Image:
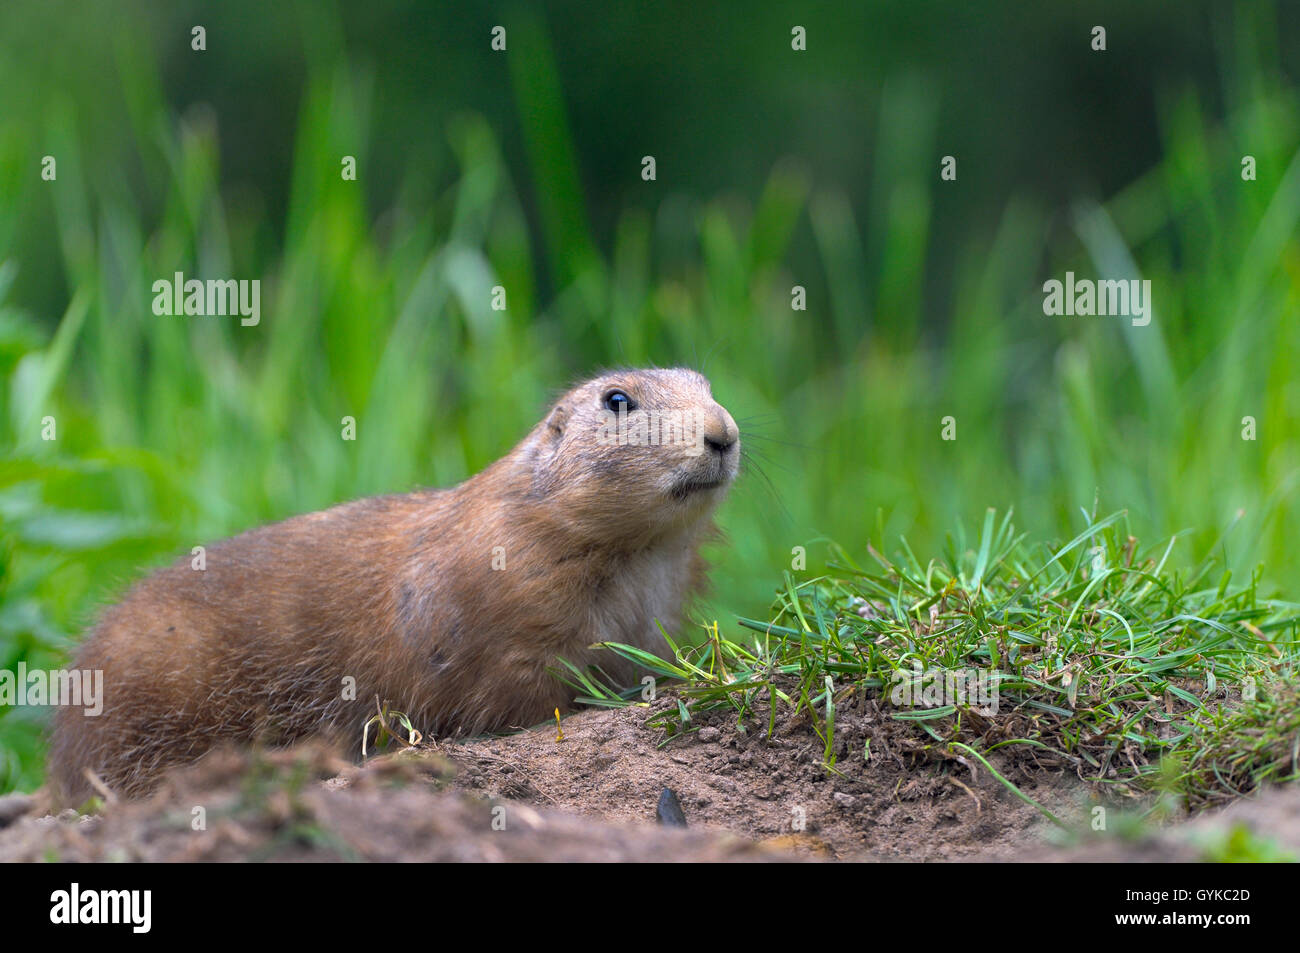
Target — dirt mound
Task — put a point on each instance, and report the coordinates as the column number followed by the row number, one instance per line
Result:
column 898, row 803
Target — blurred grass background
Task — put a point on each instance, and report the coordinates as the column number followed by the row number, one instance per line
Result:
column 775, row 168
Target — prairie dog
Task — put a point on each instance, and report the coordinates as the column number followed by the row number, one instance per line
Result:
column 448, row 605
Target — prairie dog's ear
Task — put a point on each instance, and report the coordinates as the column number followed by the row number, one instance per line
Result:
column 547, row 447
column 556, row 421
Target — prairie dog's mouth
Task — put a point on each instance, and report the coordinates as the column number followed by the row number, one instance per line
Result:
column 686, row 487
column 691, row 484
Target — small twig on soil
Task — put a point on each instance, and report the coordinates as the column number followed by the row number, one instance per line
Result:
column 979, row 808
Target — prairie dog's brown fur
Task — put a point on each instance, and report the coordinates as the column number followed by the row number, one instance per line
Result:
column 599, row 541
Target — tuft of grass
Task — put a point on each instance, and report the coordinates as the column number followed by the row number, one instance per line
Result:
column 1098, row 654
column 385, row 722
column 1240, row 749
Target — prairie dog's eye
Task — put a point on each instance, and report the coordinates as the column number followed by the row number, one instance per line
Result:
column 616, row 400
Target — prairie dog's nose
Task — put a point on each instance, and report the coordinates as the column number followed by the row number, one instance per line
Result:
column 720, row 431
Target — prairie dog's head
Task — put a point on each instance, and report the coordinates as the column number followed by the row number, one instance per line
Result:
column 641, row 450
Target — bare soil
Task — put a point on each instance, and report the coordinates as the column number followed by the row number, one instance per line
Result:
column 900, row 803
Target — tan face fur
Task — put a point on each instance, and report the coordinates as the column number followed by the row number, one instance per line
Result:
column 661, row 462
